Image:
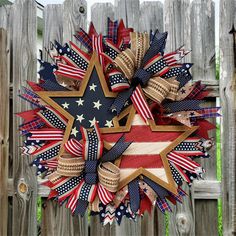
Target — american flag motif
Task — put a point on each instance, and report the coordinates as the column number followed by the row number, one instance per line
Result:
column 104, row 195
column 46, row 134
column 133, row 157
column 70, row 71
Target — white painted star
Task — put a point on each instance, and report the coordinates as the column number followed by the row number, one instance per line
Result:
column 109, row 123
column 92, row 87
column 65, row 105
column 97, row 104
column 74, row 131
column 80, row 102
column 63, row 84
column 92, row 122
column 80, row 118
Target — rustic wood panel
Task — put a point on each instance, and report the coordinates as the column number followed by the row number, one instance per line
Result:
column 5, row 16
column 151, row 16
column 99, row 14
column 53, row 26
column 74, row 17
column 177, row 23
column 227, row 94
column 54, row 29
column 203, row 57
column 128, row 10
column 4, row 129
column 23, row 68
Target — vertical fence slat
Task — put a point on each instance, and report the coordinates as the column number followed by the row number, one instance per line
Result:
column 23, row 68
column 128, row 10
column 99, row 14
column 59, row 220
column 151, row 16
column 203, row 57
column 53, row 26
column 74, row 17
column 227, row 94
column 177, row 23
column 4, row 130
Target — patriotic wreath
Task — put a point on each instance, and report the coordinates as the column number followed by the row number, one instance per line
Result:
column 116, row 128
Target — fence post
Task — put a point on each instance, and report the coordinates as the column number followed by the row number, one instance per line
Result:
column 4, row 130
column 23, row 68
column 227, row 93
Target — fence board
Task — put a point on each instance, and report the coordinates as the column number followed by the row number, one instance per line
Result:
column 4, row 129
column 53, row 26
column 24, row 68
column 128, row 10
column 54, row 29
column 151, row 16
column 99, row 14
column 227, row 94
column 74, row 17
column 203, row 57
column 177, row 23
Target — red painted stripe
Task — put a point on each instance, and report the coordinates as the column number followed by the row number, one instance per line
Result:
column 143, row 134
column 145, row 161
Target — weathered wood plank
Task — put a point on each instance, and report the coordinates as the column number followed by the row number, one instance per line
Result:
column 128, row 10
column 151, row 16
column 5, row 16
column 23, row 68
column 227, row 93
column 177, row 23
column 99, row 14
column 203, row 57
column 4, row 129
column 53, row 26
column 74, row 17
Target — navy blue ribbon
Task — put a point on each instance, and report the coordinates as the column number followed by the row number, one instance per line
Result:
column 134, row 195
column 142, row 75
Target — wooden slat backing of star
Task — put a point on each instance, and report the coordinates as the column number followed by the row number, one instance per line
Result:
column 146, row 156
column 86, row 106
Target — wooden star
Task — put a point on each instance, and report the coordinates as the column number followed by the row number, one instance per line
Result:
column 138, row 150
column 49, row 98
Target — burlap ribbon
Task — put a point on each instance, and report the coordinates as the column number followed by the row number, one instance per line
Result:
column 108, row 173
column 142, row 65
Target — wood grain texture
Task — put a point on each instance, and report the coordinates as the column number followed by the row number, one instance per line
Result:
column 203, row 40
column 60, row 23
column 23, row 68
column 74, row 17
column 227, row 94
column 151, row 16
column 53, row 27
column 177, row 23
column 4, row 129
column 99, row 14
column 5, row 17
column 58, row 220
column 177, row 20
column 203, row 57
column 128, row 10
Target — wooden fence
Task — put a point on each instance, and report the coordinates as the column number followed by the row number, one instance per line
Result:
column 191, row 23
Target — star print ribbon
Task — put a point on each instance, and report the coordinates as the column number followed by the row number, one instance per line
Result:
column 100, row 175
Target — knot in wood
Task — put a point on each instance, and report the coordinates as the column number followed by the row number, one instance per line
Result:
column 23, row 188
column 183, row 223
column 82, row 9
